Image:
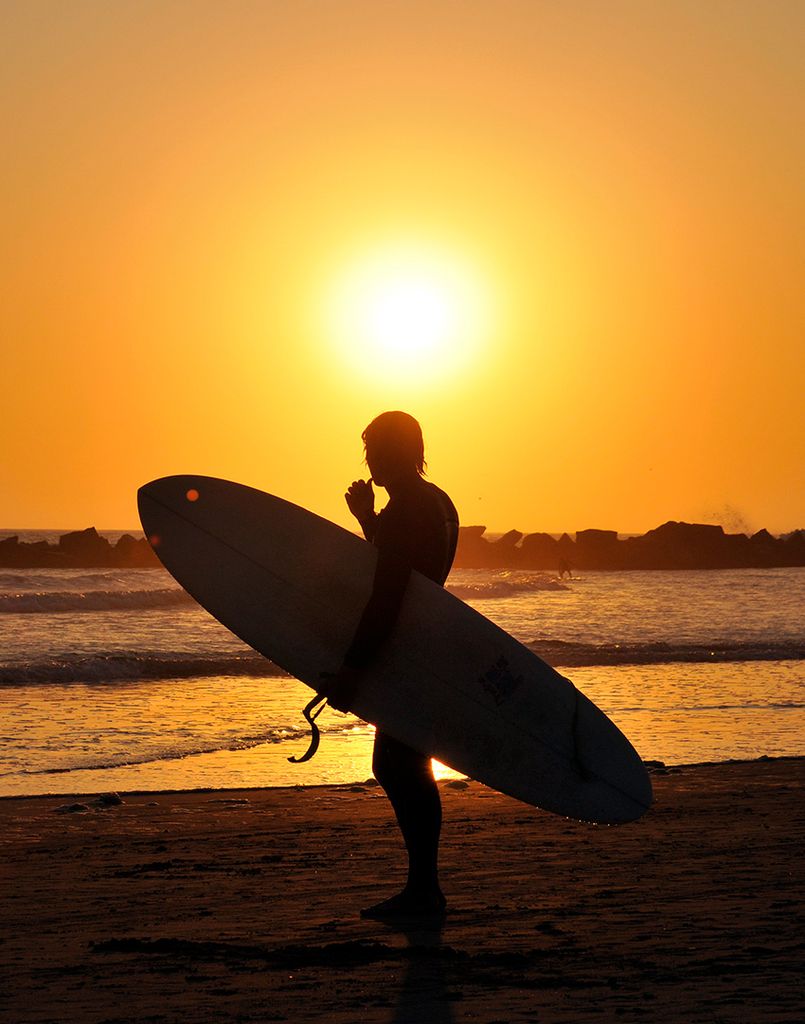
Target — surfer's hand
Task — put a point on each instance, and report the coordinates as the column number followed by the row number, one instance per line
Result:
column 341, row 688
column 360, row 499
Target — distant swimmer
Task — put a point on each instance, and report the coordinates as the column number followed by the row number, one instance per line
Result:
column 417, row 529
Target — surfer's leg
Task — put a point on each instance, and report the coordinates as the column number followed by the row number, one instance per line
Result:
column 407, row 778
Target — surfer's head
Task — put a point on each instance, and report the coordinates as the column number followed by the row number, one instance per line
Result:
column 394, row 447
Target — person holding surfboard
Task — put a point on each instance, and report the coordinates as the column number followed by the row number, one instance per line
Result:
column 417, row 529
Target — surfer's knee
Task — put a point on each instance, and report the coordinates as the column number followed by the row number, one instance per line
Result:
column 398, row 768
column 383, row 763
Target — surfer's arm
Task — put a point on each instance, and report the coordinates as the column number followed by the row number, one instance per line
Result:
column 369, row 526
column 380, row 614
column 376, row 623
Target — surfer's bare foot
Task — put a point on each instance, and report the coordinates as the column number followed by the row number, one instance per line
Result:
column 408, row 904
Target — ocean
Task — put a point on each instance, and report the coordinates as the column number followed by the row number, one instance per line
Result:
column 115, row 679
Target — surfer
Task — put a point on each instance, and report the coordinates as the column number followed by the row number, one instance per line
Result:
column 417, row 529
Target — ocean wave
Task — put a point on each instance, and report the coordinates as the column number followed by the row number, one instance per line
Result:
column 504, row 587
column 111, row 668
column 61, row 579
column 130, row 667
column 54, row 602
column 276, row 734
column 94, row 601
column 568, row 654
column 271, row 736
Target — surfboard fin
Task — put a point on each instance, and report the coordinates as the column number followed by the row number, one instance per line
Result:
column 311, row 713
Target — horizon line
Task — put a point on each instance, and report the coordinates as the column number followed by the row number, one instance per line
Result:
column 747, row 531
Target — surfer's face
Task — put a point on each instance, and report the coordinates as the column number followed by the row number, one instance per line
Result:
column 378, row 465
column 385, row 465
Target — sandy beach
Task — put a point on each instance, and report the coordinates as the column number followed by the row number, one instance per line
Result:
column 242, row 906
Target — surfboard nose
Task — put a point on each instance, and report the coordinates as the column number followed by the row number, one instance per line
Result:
column 173, row 493
column 177, row 494
column 148, row 507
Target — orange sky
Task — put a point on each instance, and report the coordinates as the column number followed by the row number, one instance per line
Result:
column 186, row 184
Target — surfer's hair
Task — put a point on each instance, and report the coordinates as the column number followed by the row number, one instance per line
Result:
column 400, row 435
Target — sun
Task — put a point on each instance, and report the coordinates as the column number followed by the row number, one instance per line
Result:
column 404, row 312
column 408, row 314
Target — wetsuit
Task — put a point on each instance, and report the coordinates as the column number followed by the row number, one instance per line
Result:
column 418, row 529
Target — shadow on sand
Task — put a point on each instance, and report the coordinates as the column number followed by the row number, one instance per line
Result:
column 425, row 995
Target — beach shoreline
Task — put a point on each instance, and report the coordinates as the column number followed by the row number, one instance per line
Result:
column 241, row 905
column 653, row 767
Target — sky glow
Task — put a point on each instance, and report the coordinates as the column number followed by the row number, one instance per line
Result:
column 568, row 238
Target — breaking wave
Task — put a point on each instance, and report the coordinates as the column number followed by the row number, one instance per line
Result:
column 276, row 734
column 94, row 601
column 110, row 668
column 504, row 587
column 52, row 602
column 247, row 742
column 560, row 652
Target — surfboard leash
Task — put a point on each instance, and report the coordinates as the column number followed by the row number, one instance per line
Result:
column 311, row 713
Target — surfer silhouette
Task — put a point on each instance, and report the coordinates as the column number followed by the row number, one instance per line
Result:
column 417, row 529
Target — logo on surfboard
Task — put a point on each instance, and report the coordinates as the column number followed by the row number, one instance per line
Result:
column 499, row 681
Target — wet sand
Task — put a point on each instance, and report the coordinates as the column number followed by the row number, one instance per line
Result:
column 241, row 906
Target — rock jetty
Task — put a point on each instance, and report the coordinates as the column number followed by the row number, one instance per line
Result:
column 670, row 546
column 80, row 549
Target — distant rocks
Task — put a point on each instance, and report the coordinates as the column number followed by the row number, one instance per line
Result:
column 80, row 549
column 670, row 546
column 86, row 546
column 595, row 549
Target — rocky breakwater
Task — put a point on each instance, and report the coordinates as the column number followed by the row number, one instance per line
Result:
column 80, row 549
column 670, row 546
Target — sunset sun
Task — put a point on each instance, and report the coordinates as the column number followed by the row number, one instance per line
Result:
column 408, row 315
column 407, row 312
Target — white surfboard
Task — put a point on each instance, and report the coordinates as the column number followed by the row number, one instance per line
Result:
column 448, row 682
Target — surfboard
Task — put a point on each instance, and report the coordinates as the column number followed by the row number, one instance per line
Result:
column 448, row 682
